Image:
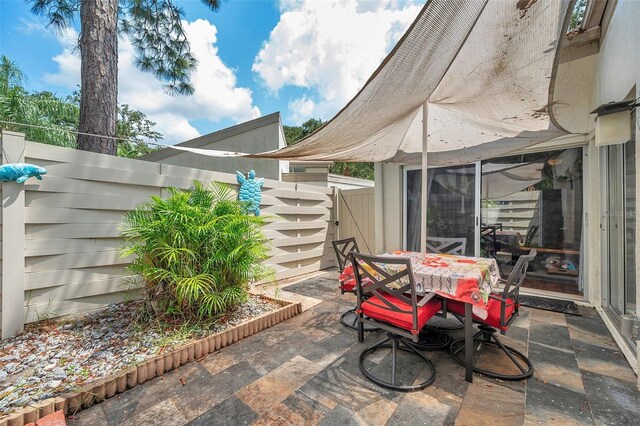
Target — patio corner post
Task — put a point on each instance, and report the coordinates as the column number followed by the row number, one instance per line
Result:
column 13, row 240
column 378, row 200
column 424, row 178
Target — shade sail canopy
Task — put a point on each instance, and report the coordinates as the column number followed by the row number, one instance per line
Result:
column 485, row 67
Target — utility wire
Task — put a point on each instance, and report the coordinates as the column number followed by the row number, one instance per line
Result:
column 60, row 129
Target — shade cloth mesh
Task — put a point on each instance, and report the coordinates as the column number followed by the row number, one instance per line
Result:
column 484, row 66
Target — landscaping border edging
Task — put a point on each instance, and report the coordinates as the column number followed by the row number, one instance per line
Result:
column 107, row 387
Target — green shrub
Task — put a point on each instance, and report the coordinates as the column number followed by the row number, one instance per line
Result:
column 196, row 251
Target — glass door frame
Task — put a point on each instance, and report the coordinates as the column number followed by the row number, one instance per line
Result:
column 478, row 186
column 584, row 282
column 615, row 312
column 605, row 228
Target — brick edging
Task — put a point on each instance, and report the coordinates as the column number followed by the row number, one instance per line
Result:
column 107, row 387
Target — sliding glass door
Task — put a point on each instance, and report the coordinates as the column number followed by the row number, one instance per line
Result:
column 619, row 229
column 630, row 223
column 505, row 207
column 451, row 209
column 536, row 201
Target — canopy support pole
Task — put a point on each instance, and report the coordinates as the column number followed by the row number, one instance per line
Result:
column 423, row 178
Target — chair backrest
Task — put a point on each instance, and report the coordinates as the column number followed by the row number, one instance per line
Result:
column 531, row 233
column 386, row 276
column 514, row 282
column 447, row 245
column 342, row 249
column 517, row 275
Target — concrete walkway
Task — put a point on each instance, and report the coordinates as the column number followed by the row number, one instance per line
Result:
column 305, row 371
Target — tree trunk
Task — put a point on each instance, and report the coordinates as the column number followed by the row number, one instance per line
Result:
column 99, row 75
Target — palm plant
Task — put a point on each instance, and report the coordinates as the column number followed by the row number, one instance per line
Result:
column 196, row 251
column 43, row 109
column 48, row 118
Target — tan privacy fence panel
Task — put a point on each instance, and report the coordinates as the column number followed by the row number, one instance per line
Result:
column 64, row 239
column 516, row 212
column 356, row 217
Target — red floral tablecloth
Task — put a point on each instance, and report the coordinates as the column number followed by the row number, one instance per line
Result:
column 462, row 278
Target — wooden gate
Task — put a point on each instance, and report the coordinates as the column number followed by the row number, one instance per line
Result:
column 356, row 217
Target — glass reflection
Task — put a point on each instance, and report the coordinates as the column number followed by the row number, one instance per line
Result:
column 535, row 201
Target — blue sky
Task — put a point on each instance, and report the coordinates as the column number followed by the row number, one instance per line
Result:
column 304, row 58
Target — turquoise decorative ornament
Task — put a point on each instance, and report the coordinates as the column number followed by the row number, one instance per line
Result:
column 250, row 191
column 20, row 172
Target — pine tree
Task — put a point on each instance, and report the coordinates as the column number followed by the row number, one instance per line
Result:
column 155, row 30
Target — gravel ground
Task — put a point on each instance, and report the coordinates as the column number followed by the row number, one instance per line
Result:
column 53, row 357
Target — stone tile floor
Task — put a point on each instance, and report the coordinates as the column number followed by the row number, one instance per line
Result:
column 305, row 371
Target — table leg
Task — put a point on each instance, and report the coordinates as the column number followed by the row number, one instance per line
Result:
column 468, row 342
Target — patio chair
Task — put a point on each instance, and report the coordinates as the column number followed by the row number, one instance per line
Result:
column 502, row 311
column 531, row 234
column 390, row 302
column 447, row 245
column 347, row 280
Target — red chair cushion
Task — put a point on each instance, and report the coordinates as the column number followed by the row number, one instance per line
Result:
column 348, row 280
column 493, row 312
column 377, row 309
column 350, row 284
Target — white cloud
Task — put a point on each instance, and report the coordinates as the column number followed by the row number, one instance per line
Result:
column 217, row 96
column 330, row 48
column 32, row 25
column 301, row 110
column 174, row 127
column 68, row 73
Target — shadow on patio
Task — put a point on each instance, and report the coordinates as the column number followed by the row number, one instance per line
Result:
column 305, row 371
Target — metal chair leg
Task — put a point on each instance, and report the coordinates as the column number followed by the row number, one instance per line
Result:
column 432, row 339
column 458, row 325
column 487, row 336
column 443, row 315
column 350, row 320
column 397, row 344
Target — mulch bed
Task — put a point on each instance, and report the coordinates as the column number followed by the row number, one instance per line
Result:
column 52, row 358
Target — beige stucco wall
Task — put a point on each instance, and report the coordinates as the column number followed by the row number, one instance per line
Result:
column 619, row 59
column 388, row 191
column 618, row 78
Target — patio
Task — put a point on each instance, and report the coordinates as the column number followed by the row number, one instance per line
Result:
column 305, row 371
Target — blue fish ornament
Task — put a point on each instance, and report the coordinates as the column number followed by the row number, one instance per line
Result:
column 20, row 172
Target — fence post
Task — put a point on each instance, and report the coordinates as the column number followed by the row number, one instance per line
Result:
column 13, row 234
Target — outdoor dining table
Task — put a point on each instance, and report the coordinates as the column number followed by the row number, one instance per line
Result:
column 462, row 278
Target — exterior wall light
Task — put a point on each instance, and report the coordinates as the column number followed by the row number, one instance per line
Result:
column 613, row 122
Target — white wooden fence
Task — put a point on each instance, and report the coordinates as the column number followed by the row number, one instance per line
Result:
column 356, row 217
column 61, row 243
column 519, row 211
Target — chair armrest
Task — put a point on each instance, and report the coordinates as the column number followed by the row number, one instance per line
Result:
column 427, row 297
column 496, row 297
column 501, row 299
